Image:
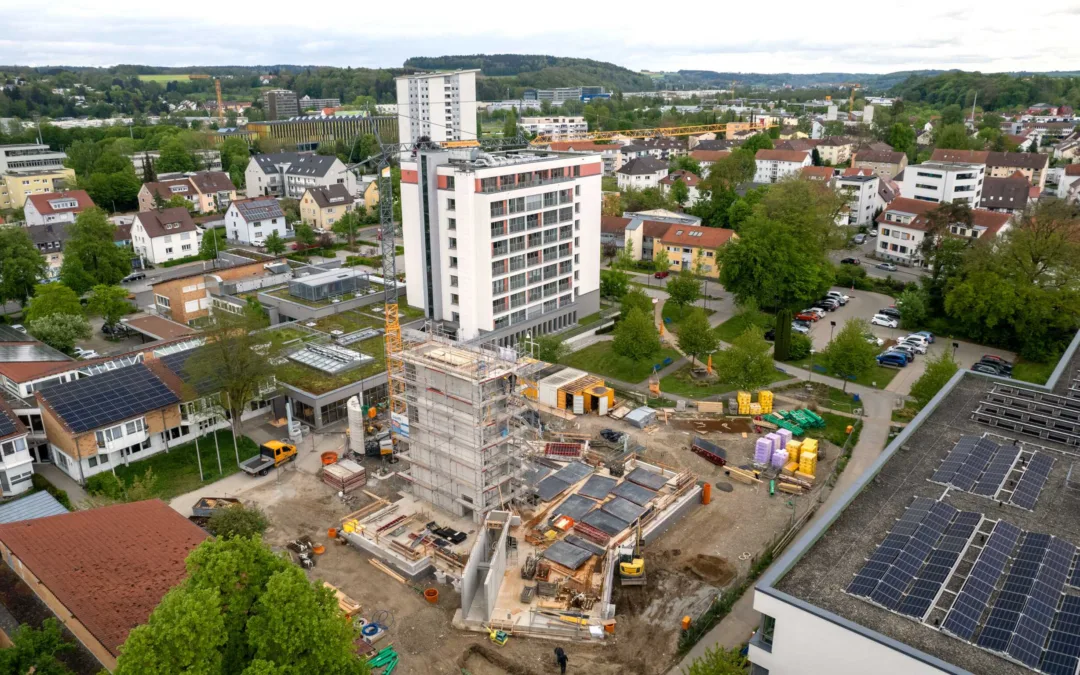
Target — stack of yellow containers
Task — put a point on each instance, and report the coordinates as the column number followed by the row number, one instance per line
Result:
column 794, row 448
column 755, row 409
column 765, row 399
column 743, row 398
column 808, row 456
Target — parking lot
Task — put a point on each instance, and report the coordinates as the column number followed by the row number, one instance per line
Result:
column 863, row 305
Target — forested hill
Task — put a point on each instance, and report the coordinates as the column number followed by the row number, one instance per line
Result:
column 996, row 91
column 687, row 79
column 520, row 71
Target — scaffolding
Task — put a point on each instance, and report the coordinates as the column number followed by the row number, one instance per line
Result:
column 459, row 433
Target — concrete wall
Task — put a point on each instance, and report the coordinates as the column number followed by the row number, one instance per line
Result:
column 484, row 575
column 287, row 310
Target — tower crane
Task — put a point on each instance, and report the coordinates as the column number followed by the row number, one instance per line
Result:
column 613, row 135
column 217, row 90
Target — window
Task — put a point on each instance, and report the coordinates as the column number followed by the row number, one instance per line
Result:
column 168, row 250
column 453, row 298
column 451, row 224
column 451, row 205
column 11, row 447
column 185, row 247
column 135, row 426
column 453, row 243
column 453, row 281
column 453, row 262
column 498, row 286
column 449, row 182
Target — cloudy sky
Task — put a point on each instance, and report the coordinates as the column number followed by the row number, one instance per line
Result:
column 770, row 36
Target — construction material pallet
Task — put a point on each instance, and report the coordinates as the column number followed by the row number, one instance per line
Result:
column 709, row 451
column 777, row 419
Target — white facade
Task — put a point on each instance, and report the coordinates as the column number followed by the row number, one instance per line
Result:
column 35, row 217
column 30, row 157
column 289, row 175
column 556, row 127
column 502, row 241
column 774, row 170
column 166, row 247
column 1065, row 183
column 16, row 468
column 944, row 182
column 899, row 242
column 255, row 232
column 862, row 195
column 640, row 181
column 441, row 106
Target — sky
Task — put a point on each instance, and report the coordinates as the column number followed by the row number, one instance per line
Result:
column 772, row 36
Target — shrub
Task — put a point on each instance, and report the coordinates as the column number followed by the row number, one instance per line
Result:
column 800, row 347
column 239, row 521
column 42, row 483
column 105, row 485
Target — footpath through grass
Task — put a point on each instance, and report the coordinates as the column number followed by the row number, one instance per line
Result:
column 177, row 472
column 599, row 358
column 683, row 383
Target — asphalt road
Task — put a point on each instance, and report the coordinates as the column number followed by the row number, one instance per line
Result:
column 863, row 252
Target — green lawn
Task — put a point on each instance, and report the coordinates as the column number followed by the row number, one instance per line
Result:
column 1029, row 371
column 677, row 313
column 348, row 322
column 737, row 325
column 317, row 382
column 163, row 79
column 600, row 359
column 830, row 397
column 835, row 429
column 905, row 414
column 284, row 294
column 878, row 376
column 177, row 471
column 682, row 383
column 609, row 184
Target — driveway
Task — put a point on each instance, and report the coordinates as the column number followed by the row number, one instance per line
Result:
column 864, row 252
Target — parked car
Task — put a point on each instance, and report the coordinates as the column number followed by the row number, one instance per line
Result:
column 1001, row 364
column 81, row 353
column 926, row 334
column 662, row 274
column 816, row 310
column 134, row 276
column 890, row 312
column 919, row 347
column 895, row 359
column 850, row 261
column 808, row 315
column 915, row 337
column 873, row 232
column 874, row 340
column 19, row 327
column 988, row 369
column 828, row 304
column 859, row 238
column 886, row 321
column 800, row 327
column 838, row 296
column 904, row 349
column 888, row 267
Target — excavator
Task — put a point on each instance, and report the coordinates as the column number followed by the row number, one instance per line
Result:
column 632, row 561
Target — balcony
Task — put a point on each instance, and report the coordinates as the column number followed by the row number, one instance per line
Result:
column 526, row 184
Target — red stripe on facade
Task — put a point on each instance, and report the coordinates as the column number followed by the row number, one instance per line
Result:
column 591, row 169
column 443, row 182
column 409, row 176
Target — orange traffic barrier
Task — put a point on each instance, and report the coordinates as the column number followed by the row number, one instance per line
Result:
column 686, row 622
column 332, row 533
column 432, row 595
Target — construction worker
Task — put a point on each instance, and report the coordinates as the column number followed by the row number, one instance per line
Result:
column 560, row 658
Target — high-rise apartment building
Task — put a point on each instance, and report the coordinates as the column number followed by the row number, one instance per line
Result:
column 503, row 244
column 280, row 104
column 440, row 106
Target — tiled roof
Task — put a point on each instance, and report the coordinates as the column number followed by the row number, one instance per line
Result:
column 613, row 224
column 37, row 505
column 108, row 566
column 709, row 155
column 122, row 233
column 1005, row 193
column 258, row 208
column 781, row 155
column 300, row 164
column 1025, row 160
column 159, row 223
column 158, row 327
column 331, row 195
column 212, row 181
column 715, row 144
column 582, row 146
column 797, row 144
column 857, row 172
column 48, row 234
column 964, row 156
column 643, row 166
column 44, row 202
column 818, row 172
column 690, row 179
column 702, row 237
column 24, row 371
column 990, row 220
column 878, row 157
column 164, row 188
column 1072, row 170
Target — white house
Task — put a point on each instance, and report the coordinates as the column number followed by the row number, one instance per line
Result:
column 682, row 176
column 860, row 187
column 290, row 174
column 641, row 173
column 776, row 165
column 1070, row 175
column 55, row 207
column 162, row 235
column 944, row 182
column 556, row 127
column 903, row 225
column 250, row 221
column 16, row 468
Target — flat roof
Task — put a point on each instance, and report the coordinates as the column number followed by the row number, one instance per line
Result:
column 815, row 573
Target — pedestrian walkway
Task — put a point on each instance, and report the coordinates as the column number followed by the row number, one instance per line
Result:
column 62, row 481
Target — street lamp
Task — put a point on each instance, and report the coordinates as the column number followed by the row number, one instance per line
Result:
column 811, row 365
column 832, row 327
column 955, row 346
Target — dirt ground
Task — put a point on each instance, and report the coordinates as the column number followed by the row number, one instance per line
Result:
column 687, row 567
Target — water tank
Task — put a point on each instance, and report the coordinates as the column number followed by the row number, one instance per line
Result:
column 356, row 424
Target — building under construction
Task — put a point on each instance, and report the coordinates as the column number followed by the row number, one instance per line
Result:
column 459, row 434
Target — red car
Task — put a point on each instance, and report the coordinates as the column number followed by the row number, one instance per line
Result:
column 661, row 275
column 806, row 316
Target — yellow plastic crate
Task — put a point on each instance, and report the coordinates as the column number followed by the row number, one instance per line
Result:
column 810, row 445
column 808, row 462
column 744, row 397
column 744, row 409
column 755, row 408
column 793, row 450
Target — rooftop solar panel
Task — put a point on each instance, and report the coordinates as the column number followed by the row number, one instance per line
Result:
column 1000, row 466
column 969, row 606
column 1031, row 483
column 939, row 566
column 1042, row 602
column 1009, row 605
column 1062, row 653
column 907, row 564
column 879, row 561
column 94, row 402
column 954, row 460
column 975, row 464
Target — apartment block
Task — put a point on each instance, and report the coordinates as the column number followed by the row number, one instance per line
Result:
column 497, row 245
column 30, row 157
column 557, row 128
column 309, row 103
column 776, row 165
column 440, row 106
column 280, row 104
column 944, row 182
column 291, row 174
column 17, row 186
column 860, row 188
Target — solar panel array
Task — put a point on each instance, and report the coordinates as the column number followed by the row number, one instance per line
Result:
column 994, row 475
column 1063, row 648
column 1031, row 483
column 963, row 617
column 95, row 402
column 939, row 565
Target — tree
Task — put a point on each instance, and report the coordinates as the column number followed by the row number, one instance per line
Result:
column 782, row 335
column 686, row 163
column 113, row 182
column 746, row 364
column 815, row 157
column 551, row 348
column 636, row 336
column 850, row 355
column 608, row 251
column 305, row 234
column 757, row 142
column 34, row 650
column 901, row 136
column 21, row 265
column 238, row 521
column 510, row 129
column 213, row 241
column 81, row 157
column 635, row 299
column 626, row 260
column 54, row 298
column 683, row 289
column 275, row 245
column 696, row 336
column 953, row 137
column 952, row 114
column 613, row 284
column 718, row 661
column 660, row 260
column 109, row 302
column 174, row 157
column 234, row 154
column 184, row 634
column 939, row 370
column 914, row 306
column 680, row 193
column 61, row 331
column 177, row 202
column 232, row 360
column 347, row 226
column 91, row 257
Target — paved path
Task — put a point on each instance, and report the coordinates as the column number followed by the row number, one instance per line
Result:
column 62, row 481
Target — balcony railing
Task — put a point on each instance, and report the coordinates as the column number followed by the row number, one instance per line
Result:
column 526, row 184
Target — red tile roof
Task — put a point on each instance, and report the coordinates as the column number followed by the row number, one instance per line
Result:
column 709, row 155
column 690, row 179
column 24, row 371
column 858, row 172
column 613, row 224
column 583, row 146
column 696, row 235
column 782, row 155
column 164, row 188
column 109, row 566
column 991, row 220
column 965, row 156
column 43, row 202
column 1072, row 170
column 818, row 172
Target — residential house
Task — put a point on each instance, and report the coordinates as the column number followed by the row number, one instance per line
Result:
column 860, row 187
column 56, row 207
column 1007, row 195
column 1068, row 148
column 1033, row 165
column 32, row 506
column 642, row 229
column 16, row 468
column 835, row 150
column 367, row 192
column 706, row 158
column 902, row 226
column 155, row 194
column 685, row 177
column 821, row 173
column 662, row 147
column 609, row 152
column 884, row 163
column 289, row 174
column 16, row 186
column 250, row 221
column 717, row 144
column 631, row 151
column 556, row 127
column 641, row 173
column 101, row 571
column 687, row 247
column 321, row 207
column 161, row 235
column 944, row 182
column 215, row 189
column 776, row 165
column 799, row 144
column 50, row 240
column 1069, row 177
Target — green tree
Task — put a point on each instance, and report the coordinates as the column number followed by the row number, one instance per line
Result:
column 757, row 142
column 174, row 158
column 815, row 157
column 849, row 355
column 184, row 634
column 212, row 242
column 772, row 264
column 21, row 265
column 695, row 336
column 291, row 208
column 661, row 262
column 551, row 348
column 939, row 370
column 238, row 521
column 60, row 331
column 626, row 260
column 305, row 234
column 275, row 245
column 782, row 335
column 718, row 661
column 914, row 306
column 347, row 226
column 113, row 182
column 34, row 650
column 952, row 114
column 54, row 298
column 510, row 129
column 686, row 163
column 91, row 257
column 234, row 154
column 746, row 364
column 81, row 157
column 613, row 284
column 177, row 202
column 109, row 302
column 901, row 136
column 680, row 193
column 635, row 299
column 683, row 289
column 636, row 336
column 953, row 137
